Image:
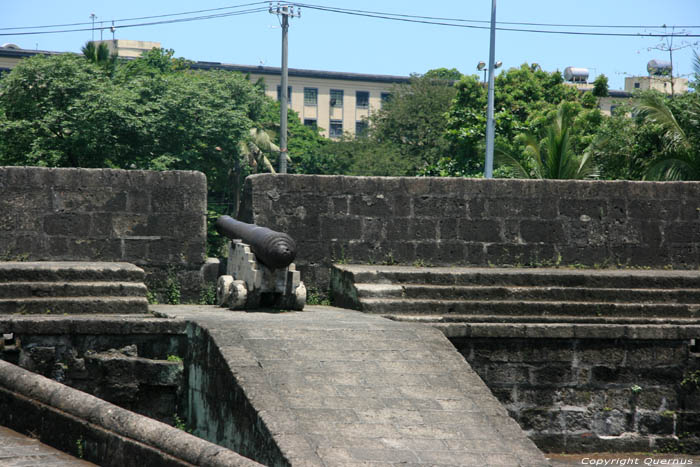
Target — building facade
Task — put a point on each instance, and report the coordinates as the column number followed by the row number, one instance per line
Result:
column 336, row 102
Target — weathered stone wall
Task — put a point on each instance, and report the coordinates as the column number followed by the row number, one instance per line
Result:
column 444, row 221
column 126, row 363
column 156, row 220
column 595, row 394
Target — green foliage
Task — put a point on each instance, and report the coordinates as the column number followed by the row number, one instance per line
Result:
column 100, row 56
column 174, row 358
column 600, row 86
column 447, row 74
column 180, row 423
column 80, row 447
column 151, row 113
column 413, row 122
column 691, row 381
column 679, row 157
column 314, row 297
column 207, row 295
column 172, row 288
column 553, row 156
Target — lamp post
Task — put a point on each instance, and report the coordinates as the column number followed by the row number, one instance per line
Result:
column 488, row 163
column 481, row 66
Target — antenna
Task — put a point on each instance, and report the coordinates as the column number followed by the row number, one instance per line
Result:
column 93, row 17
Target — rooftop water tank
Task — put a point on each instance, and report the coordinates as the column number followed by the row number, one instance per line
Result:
column 659, row 67
column 577, row 75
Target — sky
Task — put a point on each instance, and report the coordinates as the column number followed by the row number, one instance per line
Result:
column 323, row 40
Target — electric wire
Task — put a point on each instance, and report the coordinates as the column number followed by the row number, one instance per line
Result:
column 137, row 18
column 152, row 23
column 430, row 20
column 515, row 23
column 467, row 26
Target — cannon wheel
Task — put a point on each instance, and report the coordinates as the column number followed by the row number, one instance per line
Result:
column 238, row 296
column 224, row 285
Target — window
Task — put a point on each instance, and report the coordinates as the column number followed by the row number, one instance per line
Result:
column 636, row 85
column 336, row 97
column 289, row 94
column 310, row 96
column 361, row 128
column 336, row 128
column 362, row 99
column 310, row 122
column 385, row 96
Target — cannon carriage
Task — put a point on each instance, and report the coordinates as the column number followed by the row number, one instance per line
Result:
column 260, row 271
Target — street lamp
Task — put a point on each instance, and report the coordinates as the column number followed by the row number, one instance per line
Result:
column 482, row 67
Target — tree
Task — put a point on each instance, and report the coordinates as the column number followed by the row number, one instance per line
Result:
column 100, row 55
column 680, row 156
column 64, row 111
column 413, row 121
column 600, row 86
column 552, row 156
column 525, row 98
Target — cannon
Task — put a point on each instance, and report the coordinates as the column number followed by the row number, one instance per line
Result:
column 273, row 249
column 260, row 271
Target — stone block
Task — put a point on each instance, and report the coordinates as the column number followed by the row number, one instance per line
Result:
column 534, row 231
column 479, row 230
column 656, row 424
column 552, row 374
column 683, row 232
column 67, row 223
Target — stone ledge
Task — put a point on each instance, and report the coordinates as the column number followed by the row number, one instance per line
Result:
column 570, row 330
column 135, row 432
column 90, row 324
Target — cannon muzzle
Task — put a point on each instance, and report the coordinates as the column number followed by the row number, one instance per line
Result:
column 273, row 249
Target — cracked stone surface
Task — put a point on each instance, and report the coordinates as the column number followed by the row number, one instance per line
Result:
column 340, row 388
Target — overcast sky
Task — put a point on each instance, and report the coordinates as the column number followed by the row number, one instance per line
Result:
column 325, row 40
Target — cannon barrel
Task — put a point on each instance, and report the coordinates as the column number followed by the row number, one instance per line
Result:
column 273, row 249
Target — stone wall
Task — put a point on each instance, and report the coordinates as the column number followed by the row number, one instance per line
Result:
column 444, row 221
column 156, row 220
column 594, row 394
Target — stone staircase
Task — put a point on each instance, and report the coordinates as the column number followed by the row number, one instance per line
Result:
column 72, row 288
column 520, row 294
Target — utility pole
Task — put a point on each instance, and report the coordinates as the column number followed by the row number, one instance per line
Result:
column 488, row 166
column 285, row 11
column 93, row 16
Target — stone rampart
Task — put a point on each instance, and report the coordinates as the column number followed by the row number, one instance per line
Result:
column 448, row 221
column 591, row 387
column 155, row 220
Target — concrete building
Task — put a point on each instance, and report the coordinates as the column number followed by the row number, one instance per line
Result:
column 658, row 83
column 335, row 102
column 127, row 48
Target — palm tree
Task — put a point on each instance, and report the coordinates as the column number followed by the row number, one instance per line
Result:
column 552, row 157
column 679, row 160
column 255, row 147
column 99, row 54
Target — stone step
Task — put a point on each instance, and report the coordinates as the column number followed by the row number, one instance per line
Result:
column 605, row 278
column 530, row 308
column 63, row 271
column 74, row 305
column 538, row 293
column 71, row 289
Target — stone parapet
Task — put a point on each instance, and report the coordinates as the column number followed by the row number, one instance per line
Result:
column 449, row 221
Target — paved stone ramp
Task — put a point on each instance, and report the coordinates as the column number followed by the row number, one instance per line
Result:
column 489, row 294
column 341, row 388
column 58, row 287
column 18, row 450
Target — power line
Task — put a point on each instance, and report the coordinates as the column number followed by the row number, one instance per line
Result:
column 428, row 20
column 152, row 23
column 137, row 18
column 437, row 18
